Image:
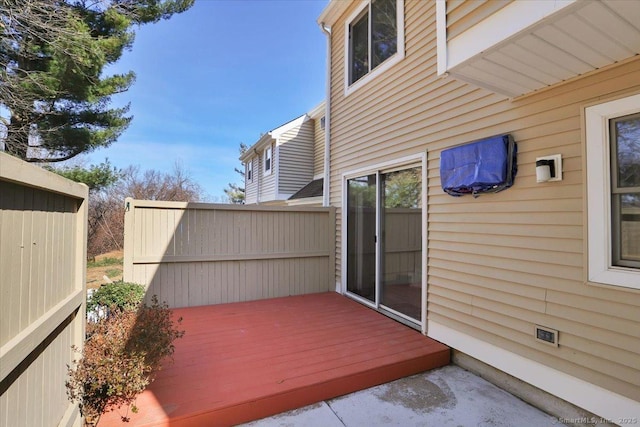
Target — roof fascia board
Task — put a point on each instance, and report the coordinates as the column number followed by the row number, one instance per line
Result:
column 257, row 147
column 277, row 132
column 333, row 11
column 317, row 111
column 273, row 135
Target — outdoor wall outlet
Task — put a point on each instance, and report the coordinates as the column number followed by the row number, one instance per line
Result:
column 546, row 335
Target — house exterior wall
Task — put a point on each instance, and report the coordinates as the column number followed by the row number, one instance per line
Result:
column 262, row 188
column 318, row 147
column 293, row 161
column 43, row 226
column 295, row 155
column 268, row 181
column 462, row 15
column 251, row 187
column 502, row 263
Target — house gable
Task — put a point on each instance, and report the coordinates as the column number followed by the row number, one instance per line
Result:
column 283, row 161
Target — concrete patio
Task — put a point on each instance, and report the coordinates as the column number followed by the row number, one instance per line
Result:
column 448, row 396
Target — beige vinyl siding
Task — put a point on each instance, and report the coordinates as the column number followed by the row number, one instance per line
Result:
column 462, row 14
column 501, row 263
column 295, row 158
column 251, row 187
column 318, row 147
column 42, row 287
column 193, row 254
column 268, row 182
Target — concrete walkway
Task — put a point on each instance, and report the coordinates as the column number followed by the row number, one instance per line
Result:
column 449, row 396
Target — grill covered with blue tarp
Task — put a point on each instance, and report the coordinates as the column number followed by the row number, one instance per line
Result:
column 488, row 165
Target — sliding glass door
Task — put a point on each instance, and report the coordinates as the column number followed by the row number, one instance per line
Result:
column 401, row 243
column 361, row 237
column 384, row 241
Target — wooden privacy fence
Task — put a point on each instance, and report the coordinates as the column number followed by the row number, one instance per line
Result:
column 43, row 229
column 191, row 254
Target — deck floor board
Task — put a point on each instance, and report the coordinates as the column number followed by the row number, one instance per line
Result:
column 244, row 361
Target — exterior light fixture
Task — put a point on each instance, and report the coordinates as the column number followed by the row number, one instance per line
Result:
column 549, row 168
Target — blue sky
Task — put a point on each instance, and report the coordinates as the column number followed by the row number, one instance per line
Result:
column 219, row 74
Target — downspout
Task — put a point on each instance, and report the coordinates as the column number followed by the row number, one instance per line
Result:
column 327, row 121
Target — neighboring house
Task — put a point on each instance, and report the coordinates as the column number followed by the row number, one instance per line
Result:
column 287, row 162
column 495, row 277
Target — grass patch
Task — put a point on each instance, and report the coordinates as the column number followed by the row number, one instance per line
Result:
column 104, row 262
column 113, row 272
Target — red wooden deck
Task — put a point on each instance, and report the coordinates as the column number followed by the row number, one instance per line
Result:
column 244, row 361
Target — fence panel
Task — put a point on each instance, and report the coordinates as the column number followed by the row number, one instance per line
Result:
column 191, row 254
column 43, row 220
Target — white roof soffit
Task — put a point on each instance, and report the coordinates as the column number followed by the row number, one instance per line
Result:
column 530, row 45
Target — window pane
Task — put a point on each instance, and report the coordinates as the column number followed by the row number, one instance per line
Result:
column 627, row 131
column 629, row 220
column 361, row 236
column 267, row 161
column 359, row 48
column 384, row 31
column 401, row 221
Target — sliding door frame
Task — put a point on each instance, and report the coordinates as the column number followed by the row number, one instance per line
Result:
column 416, row 160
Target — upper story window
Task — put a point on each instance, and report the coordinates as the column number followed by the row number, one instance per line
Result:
column 613, row 191
column 374, row 39
column 268, row 160
column 249, row 172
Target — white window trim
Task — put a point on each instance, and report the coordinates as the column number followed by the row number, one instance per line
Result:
column 269, row 150
column 249, row 171
column 388, row 63
column 598, row 156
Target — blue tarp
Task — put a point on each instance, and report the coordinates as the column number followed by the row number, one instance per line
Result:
column 488, row 165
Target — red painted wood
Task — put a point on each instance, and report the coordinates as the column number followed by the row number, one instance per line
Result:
column 244, row 361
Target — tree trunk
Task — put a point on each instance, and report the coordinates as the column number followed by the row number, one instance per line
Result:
column 17, row 140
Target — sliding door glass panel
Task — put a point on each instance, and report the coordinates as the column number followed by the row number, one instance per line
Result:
column 401, row 244
column 361, row 236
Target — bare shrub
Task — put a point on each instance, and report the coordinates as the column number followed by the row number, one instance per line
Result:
column 122, row 353
column 106, row 208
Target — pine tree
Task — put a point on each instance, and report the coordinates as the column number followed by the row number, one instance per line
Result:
column 235, row 193
column 54, row 97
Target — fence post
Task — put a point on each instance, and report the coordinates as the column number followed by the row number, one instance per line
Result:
column 129, row 230
column 82, row 229
column 332, row 247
